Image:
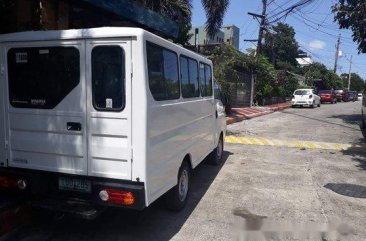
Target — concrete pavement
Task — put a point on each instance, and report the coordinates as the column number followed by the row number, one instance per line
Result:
column 258, row 185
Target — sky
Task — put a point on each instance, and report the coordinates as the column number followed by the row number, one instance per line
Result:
column 315, row 30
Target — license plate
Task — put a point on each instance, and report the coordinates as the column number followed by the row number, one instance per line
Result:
column 73, row 184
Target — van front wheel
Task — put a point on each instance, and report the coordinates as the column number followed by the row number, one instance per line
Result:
column 176, row 198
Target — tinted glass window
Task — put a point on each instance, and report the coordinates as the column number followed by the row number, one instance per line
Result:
column 163, row 73
column 302, row 92
column 205, row 80
column 193, row 78
column 208, row 75
column 202, row 79
column 42, row 77
column 108, row 78
column 325, row 92
column 217, row 91
column 189, row 74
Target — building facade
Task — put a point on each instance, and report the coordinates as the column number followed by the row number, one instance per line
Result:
column 227, row 34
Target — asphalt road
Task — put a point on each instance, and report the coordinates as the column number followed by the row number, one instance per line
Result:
column 258, row 186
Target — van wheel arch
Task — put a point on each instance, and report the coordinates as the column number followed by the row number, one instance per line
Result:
column 176, row 198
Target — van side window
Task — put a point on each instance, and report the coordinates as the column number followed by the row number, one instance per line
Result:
column 41, row 78
column 163, row 73
column 189, row 74
column 205, row 80
column 108, row 78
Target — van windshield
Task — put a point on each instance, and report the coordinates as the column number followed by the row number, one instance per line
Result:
column 42, row 77
column 302, row 92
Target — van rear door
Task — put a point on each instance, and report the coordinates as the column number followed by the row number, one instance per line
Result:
column 46, row 107
column 109, row 108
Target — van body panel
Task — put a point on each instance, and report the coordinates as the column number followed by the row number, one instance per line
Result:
column 175, row 128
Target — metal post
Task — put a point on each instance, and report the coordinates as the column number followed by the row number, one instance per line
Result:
column 337, row 54
column 349, row 74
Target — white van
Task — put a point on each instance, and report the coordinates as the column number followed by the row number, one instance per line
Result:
column 109, row 116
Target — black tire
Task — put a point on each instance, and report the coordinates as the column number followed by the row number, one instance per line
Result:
column 176, row 198
column 216, row 155
column 319, row 104
column 313, row 105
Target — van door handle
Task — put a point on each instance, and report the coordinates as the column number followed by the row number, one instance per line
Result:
column 73, row 126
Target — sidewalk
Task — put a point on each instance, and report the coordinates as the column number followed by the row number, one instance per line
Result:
column 240, row 114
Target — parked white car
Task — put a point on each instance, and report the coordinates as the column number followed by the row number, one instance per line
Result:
column 305, row 97
column 359, row 95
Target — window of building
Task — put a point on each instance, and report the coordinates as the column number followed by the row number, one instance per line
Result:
column 163, row 73
column 189, row 74
column 108, row 78
column 42, row 77
column 205, row 80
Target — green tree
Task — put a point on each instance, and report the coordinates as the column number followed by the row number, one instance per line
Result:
column 181, row 12
column 350, row 14
column 357, row 83
column 320, row 71
column 282, row 48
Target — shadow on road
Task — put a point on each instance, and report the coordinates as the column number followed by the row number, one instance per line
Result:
column 351, row 117
column 154, row 223
column 358, row 153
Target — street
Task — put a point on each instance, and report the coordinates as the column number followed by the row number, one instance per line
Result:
column 260, row 180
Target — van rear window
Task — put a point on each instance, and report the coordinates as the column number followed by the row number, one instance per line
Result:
column 42, row 77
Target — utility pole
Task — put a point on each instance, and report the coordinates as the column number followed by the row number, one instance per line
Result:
column 337, row 54
column 349, row 74
column 262, row 27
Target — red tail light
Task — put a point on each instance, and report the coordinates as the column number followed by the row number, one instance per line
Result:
column 117, row 197
column 310, row 96
column 6, row 182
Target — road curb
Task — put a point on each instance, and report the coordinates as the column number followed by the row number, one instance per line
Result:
column 238, row 117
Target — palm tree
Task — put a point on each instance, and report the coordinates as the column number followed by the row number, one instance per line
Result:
column 215, row 12
column 181, row 12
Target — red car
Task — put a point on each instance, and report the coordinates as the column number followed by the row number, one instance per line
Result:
column 327, row 96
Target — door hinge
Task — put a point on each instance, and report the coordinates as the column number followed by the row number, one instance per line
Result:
column 131, row 70
column 2, row 70
column 6, row 144
column 131, row 155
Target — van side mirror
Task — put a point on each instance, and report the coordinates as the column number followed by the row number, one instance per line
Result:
column 224, row 99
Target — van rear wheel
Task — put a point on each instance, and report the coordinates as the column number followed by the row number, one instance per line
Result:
column 216, row 155
column 176, row 198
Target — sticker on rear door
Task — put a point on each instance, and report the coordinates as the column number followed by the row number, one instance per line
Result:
column 21, row 58
column 108, row 103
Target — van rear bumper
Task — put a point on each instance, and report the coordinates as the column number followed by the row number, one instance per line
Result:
column 43, row 185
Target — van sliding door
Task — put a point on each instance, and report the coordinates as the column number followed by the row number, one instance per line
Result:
column 109, row 108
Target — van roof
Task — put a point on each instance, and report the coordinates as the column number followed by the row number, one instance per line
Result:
column 103, row 32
